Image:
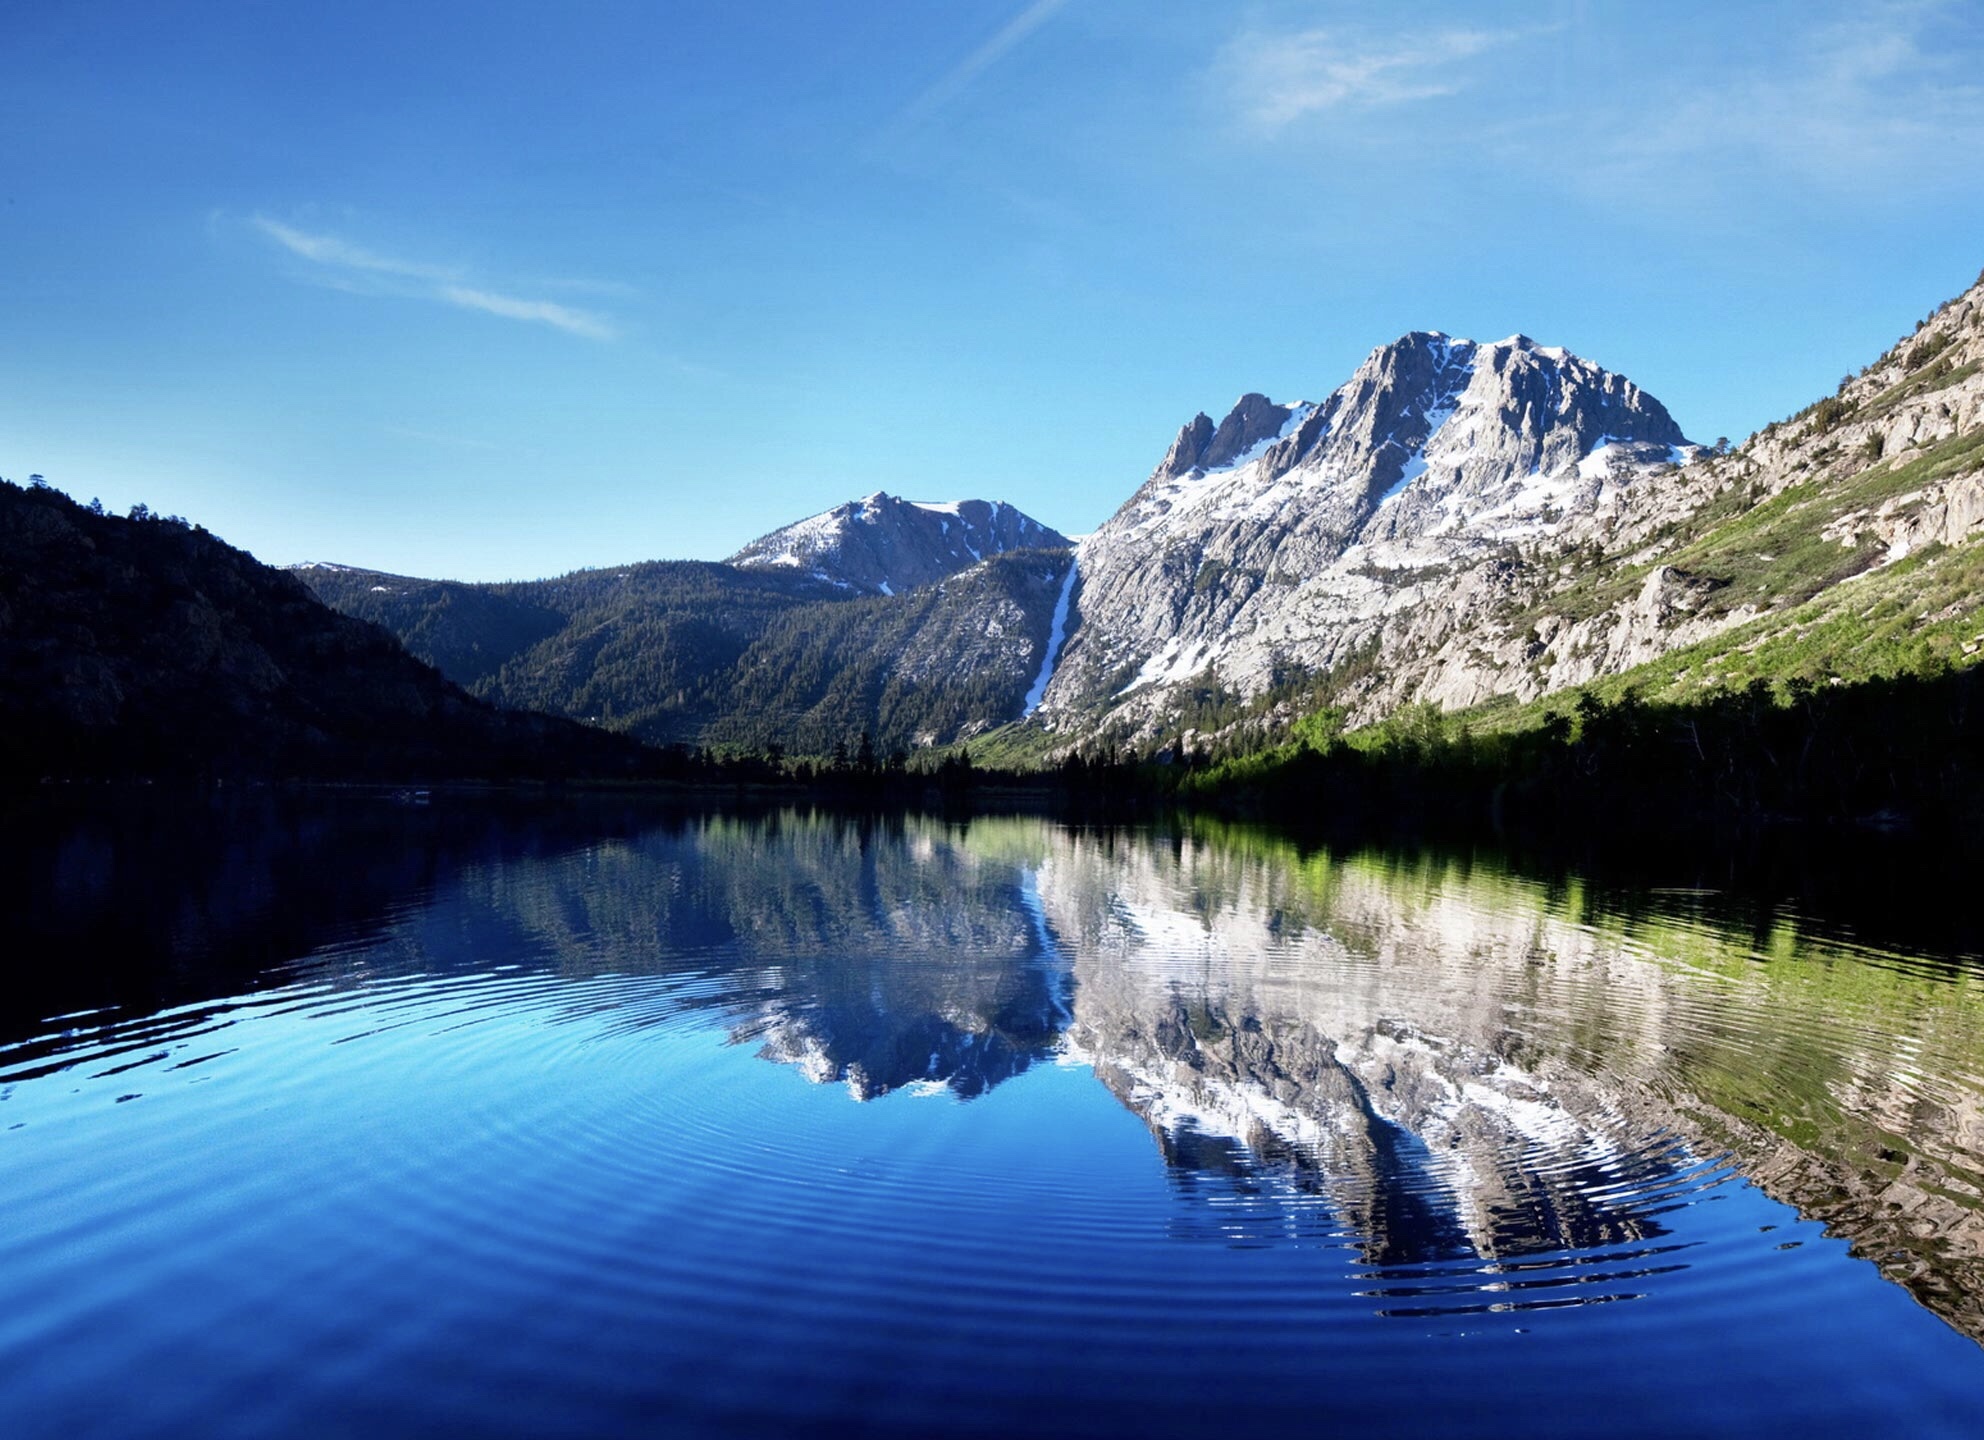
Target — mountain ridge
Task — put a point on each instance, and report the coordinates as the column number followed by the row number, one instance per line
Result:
column 1458, row 523
column 700, row 652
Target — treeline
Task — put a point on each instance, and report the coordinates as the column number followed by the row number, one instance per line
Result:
column 1903, row 753
column 855, row 779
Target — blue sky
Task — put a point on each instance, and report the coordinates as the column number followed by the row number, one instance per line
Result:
column 500, row 290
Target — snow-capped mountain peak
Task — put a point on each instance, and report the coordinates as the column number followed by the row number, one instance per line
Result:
column 1269, row 537
column 885, row 544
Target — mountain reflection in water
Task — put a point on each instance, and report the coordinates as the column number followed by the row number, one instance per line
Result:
column 1470, row 1094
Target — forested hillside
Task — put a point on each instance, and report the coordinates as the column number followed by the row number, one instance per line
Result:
column 921, row 669
column 146, row 646
column 466, row 632
column 706, row 654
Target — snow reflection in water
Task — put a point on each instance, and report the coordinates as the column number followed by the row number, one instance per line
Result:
column 498, row 1148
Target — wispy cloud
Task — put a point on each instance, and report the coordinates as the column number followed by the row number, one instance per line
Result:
column 331, row 250
column 1874, row 98
column 344, row 265
column 1864, row 102
column 1272, row 80
column 543, row 312
column 961, row 76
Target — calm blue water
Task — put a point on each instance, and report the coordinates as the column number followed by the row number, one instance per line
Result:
column 388, row 1124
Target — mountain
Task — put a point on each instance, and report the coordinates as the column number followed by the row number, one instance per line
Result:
column 1486, row 525
column 466, row 632
column 1289, row 539
column 1280, row 543
column 701, row 653
column 1837, row 545
column 146, row 646
column 885, row 545
column 1458, row 524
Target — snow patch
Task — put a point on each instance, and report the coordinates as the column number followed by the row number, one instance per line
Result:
column 1056, row 633
column 1452, row 380
column 1164, row 502
column 1598, row 464
column 1415, row 463
column 1301, row 411
column 1176, row 662
column 798, row 544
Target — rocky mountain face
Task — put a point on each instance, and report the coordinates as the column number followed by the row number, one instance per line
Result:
column 885, row 545
column 1837, row 544
column 1290, row 538
column 1462, row 523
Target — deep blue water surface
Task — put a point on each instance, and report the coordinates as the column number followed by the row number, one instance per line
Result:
column 367, row 1123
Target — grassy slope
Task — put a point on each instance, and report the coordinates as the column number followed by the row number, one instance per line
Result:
column 1831, row 612
column 1772, row 552
column 1828, row 614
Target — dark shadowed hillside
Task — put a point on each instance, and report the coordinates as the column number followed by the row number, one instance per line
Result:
column 147, row 646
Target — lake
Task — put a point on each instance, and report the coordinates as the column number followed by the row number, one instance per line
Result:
column 339, row 1115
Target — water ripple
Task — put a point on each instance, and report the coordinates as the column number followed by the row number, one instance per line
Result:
column 607, row 1141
